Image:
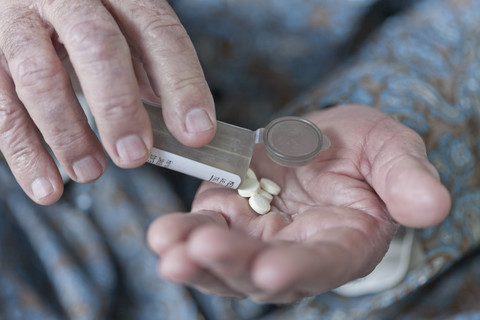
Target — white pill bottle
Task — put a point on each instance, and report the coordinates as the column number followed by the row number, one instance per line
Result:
column 288, row 141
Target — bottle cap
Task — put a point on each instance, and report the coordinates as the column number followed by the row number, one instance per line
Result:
column 293, row 141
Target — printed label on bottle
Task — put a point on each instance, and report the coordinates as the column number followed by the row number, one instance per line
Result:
column 193, row 168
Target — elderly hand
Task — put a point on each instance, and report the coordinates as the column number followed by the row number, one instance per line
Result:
column 332, row 222
column 118, row 49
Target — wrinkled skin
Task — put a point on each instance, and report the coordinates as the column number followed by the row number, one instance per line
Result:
column 121, row 51
column 331, row 223
column 334, row 218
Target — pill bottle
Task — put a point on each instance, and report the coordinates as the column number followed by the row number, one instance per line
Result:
column 288, row 141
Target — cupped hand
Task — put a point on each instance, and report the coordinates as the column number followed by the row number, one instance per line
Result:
column 331, row 223
column 118, row 49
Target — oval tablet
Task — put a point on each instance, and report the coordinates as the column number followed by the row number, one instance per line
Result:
column 259, row 204
column 248, row 188
column 251, row 174
column 270, row 186
column 265, row 194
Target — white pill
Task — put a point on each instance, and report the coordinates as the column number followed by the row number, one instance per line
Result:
column 265, row 194
column 248, row 188
column 270, row 186
column 259, row 204
column 251, row 174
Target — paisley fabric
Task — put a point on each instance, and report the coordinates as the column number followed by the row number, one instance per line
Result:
column 419, row 61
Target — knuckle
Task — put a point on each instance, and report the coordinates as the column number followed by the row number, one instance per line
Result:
column 408, row 140
column 15, row 27
column 28, row 61
column 415, row 136
column 62, row 131
column 62, row 140
column 10, row 117
column 22, row 157
column 18, row 31
column 38, row 72
column 193, row 82
column 16, row 146
column 119, row 107
column 95, row 37
column 168, row 33
column 16, row 133
column 160, row 27
column 164, row 23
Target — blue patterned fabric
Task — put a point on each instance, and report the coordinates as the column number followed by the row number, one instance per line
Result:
column 419, row 61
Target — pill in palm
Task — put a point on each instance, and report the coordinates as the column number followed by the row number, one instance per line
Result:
column 259, row 203
column 270, row 186
column 251, row 174
column 259, row 193
column 265, row 194
column 248, row 188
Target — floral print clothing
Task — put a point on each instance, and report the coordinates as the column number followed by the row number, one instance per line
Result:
column 419, row 61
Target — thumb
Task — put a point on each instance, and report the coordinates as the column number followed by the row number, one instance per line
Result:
column 407, row 182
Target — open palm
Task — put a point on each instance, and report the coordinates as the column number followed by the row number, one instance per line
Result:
column 332, row 222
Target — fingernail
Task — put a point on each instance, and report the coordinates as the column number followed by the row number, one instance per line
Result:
column 87, row 169
column 131, row 148
column 197, row 120
column 42, row 188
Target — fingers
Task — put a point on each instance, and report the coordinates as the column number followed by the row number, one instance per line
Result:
column 226, row 254
column 44, row 87
column 172, row 66
column 168, row 237
column 200, row 250
column 327, row 259
column 392, row 159
column 23, row 149
column 405, row 180
column 171, row 229
column 26, row 58
column 101, row 58
column 102, row 61
column 177, row 266
column 275, row 271
column 285, row 270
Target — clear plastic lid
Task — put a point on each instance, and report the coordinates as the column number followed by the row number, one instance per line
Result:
column 292, row 141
